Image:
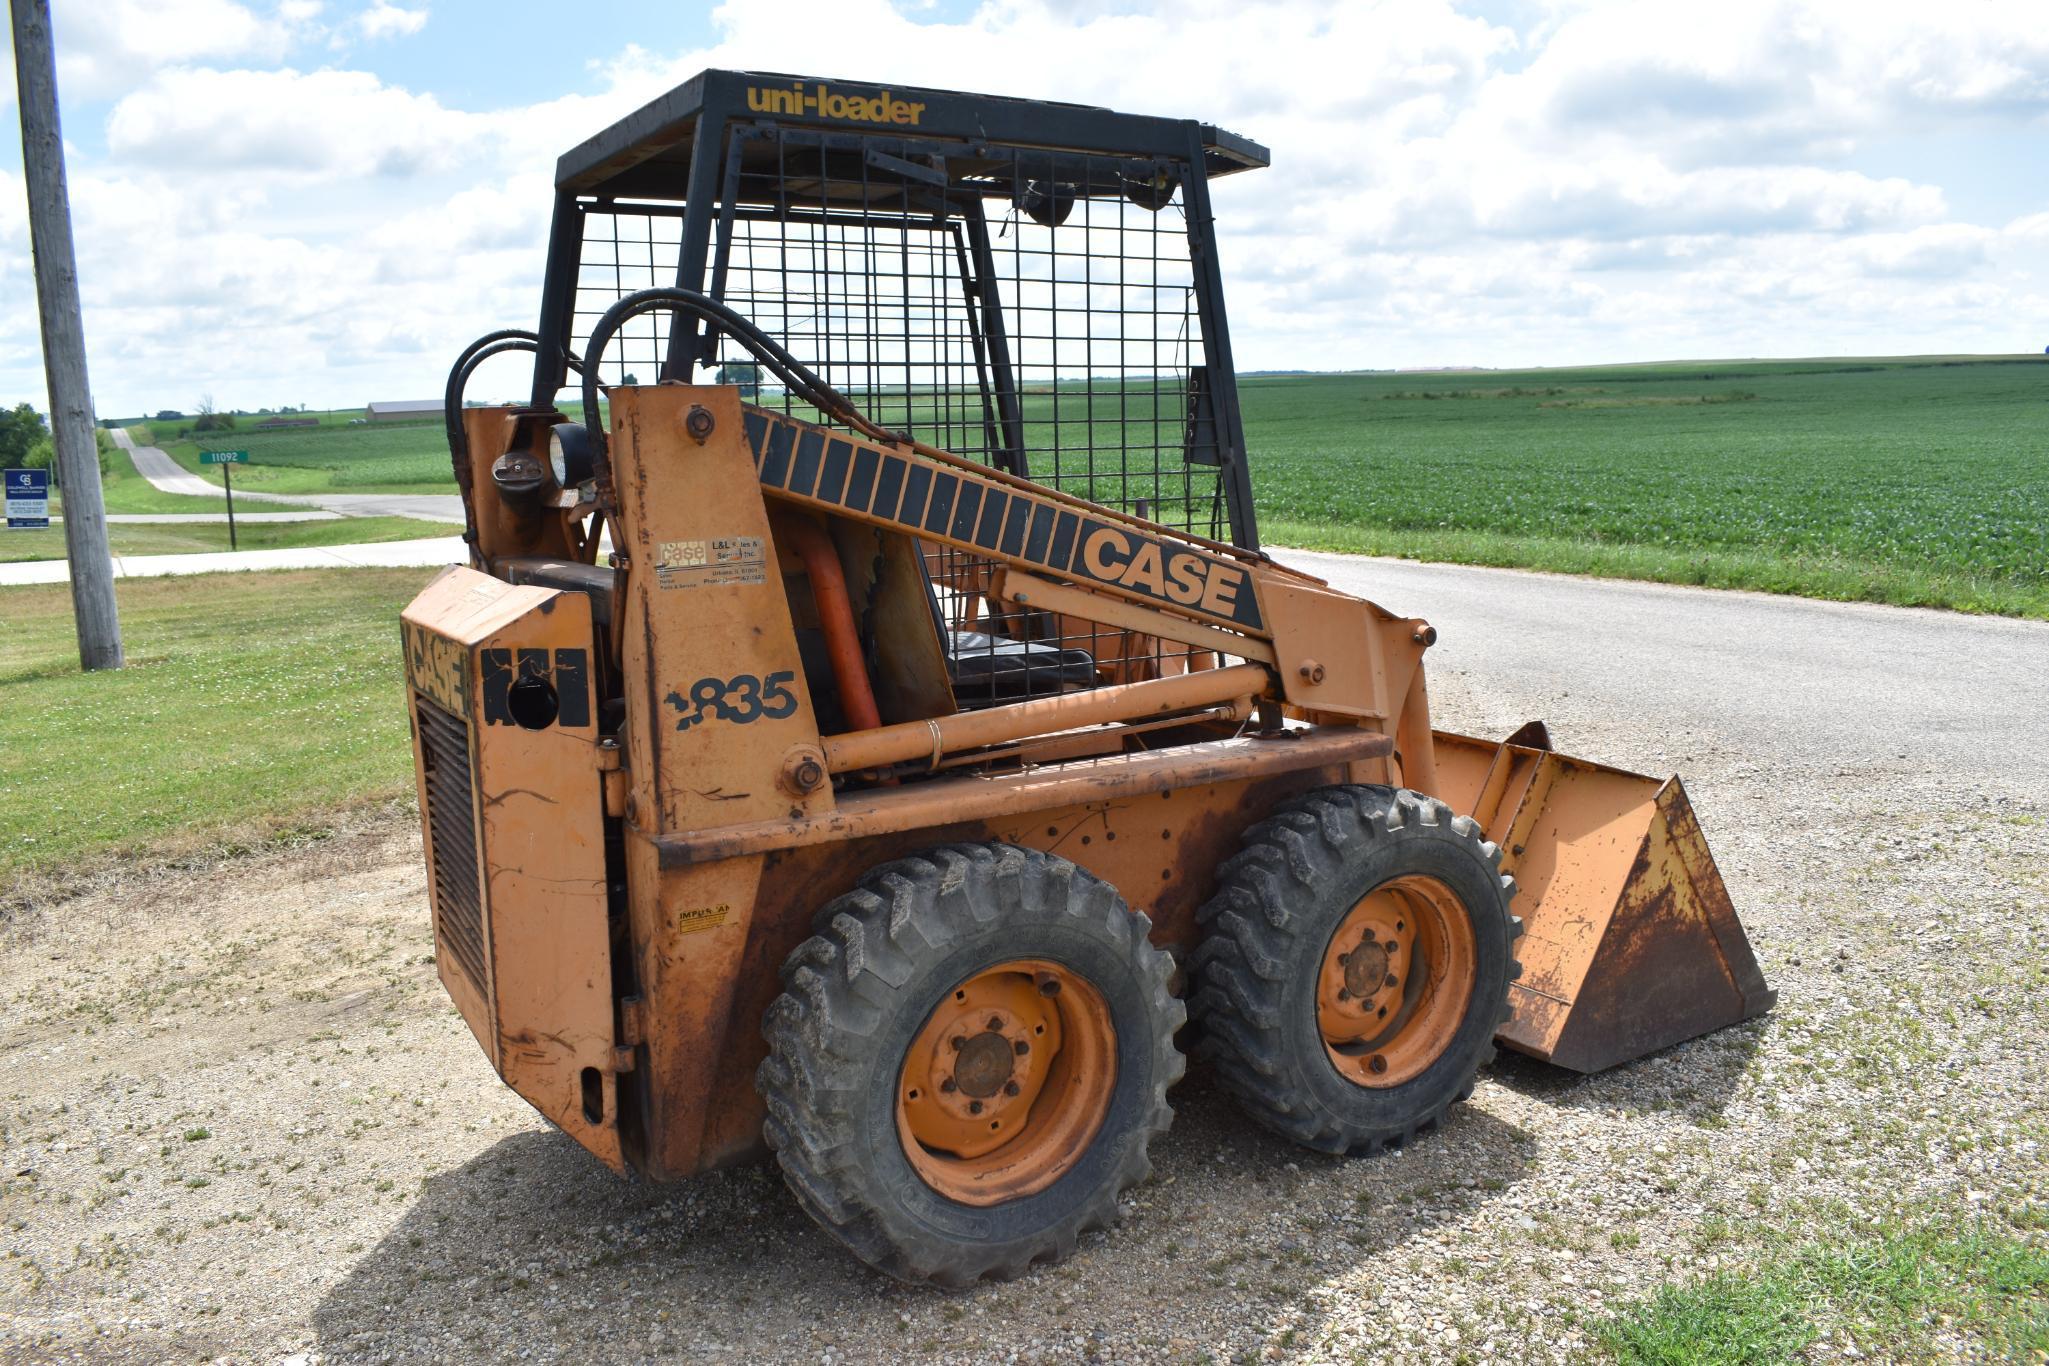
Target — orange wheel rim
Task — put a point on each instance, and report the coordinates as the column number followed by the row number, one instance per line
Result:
column 1396, row 981
column 1008, row 1082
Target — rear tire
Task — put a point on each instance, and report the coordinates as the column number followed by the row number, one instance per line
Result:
column 984, row 945
column 1354, row 966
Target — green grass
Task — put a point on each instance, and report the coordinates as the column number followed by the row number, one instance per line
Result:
column 1892, row 1294
column 1917, row 480
column 172, row 431
column 252, row 705
column 194, row 538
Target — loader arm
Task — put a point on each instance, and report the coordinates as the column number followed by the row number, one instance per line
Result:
column 1064, row 555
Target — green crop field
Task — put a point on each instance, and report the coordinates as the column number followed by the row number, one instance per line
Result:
column 1894, row 481
column 401, row 457
column 338, row 456
column 1910, row 480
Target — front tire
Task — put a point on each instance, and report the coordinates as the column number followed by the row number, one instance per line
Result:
column 1354, row 966
column 968, row 1062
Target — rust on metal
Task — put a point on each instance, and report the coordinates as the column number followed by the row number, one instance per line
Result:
column 920, row 806
column 543, row 1002
column 877, row 748
column 835, row 615
column 1631, row 943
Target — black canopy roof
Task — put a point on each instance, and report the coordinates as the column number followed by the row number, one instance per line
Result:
column 648, row 154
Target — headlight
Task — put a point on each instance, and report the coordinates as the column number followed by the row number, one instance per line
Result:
column 569, row 453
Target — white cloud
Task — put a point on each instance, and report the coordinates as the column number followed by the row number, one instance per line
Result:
column 1619, row 180
column 315, row 125
column 107, row 46
column 386, row 20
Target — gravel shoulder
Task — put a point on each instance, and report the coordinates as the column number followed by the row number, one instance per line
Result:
column 242, row 1122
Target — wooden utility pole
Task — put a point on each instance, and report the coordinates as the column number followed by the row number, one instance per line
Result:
column 71, row 417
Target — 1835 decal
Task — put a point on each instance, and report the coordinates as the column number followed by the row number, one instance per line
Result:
column 741, row 699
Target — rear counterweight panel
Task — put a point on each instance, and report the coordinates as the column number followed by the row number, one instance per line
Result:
column 506, row 747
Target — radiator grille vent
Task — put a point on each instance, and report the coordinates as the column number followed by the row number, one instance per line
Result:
column 452, row 837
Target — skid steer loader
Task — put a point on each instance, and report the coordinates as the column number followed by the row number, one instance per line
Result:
column 870, row 727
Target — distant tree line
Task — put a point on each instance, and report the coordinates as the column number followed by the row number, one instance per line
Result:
column 25, row 441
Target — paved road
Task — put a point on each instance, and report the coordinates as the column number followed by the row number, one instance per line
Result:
column 171, row 477
column 211, row 518
column 428, row 552
column 1783, row 681
column 1768, row 675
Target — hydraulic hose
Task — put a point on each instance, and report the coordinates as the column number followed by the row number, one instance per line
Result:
column 836, row 619
column 792, row 372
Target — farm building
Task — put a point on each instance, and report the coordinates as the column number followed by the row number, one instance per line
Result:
column 403, row 410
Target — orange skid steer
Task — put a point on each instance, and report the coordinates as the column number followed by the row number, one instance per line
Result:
column 897, row 749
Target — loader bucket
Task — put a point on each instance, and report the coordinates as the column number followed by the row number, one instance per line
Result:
column 1630, row 942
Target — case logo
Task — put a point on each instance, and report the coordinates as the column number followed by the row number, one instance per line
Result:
column 1177, row 576
column 823, row 100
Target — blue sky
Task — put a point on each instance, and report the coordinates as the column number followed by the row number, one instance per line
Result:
column 319, row 200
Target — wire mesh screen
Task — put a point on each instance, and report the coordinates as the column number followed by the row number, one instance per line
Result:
column 1031, row 310
column 1012, row 306
column 876, row 308
column 626, row 248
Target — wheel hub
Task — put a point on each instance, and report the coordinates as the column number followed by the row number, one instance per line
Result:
column 1395, row 981
column 1007, row 1082
column 983, row 1064
column 1365, row 969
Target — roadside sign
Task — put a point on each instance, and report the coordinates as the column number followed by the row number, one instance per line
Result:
column 28, row 500
column 227, row 460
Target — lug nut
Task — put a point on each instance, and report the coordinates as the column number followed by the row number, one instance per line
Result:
column 959, row 1042
column 1344, row 995
column 1023, row 1048
column 948, row 1086
column 974, row 1107
column 1011, row 1088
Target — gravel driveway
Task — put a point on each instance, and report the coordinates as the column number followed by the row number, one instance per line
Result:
column 242, row 1121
